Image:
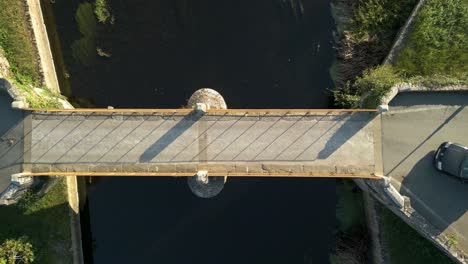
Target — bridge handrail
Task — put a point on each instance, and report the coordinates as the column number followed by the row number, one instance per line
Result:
column 188, row 110
column 224, row 174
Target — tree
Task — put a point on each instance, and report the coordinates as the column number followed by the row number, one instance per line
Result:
column 16, row 251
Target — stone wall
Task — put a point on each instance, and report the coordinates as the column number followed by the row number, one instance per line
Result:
column 43, row 46
column 412, row 218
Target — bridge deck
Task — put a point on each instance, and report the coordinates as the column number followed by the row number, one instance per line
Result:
column 301, row 142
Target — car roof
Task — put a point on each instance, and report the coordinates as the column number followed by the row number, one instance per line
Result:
column 453, row 158
column 464, row 168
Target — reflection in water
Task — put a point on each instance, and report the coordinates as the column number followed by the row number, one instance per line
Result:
column 295, row 6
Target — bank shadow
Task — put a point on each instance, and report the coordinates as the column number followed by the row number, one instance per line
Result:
column 449, row 98
column 12, row 135
column 438, row 197
column 170, row 136
column 47, row 229
column 349, row 128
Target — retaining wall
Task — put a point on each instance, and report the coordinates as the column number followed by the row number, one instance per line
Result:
column 43, row 45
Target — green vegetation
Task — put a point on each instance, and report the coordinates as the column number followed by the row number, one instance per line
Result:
column 379, row 19
column 404, row 243
column 44, row 99
column 39, row 224
column 102, row 10
column 369, row 88
column 84, row 49
column 452, row 240
column 45, row 221
column 439, row 41
column 434, row 56
column 14, row 251
column 16, row 40
column 368, row 30
column 367, row 91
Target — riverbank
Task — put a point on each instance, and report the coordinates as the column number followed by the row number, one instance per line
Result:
column 373, row 84
column 46, row 60
column 56, row 233
column 44, row 221
column 427, row 31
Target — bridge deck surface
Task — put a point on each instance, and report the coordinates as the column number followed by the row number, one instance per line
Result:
column 307, row 142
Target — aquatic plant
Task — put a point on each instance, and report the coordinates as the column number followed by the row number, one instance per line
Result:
column 84, row 49
column 102, row 10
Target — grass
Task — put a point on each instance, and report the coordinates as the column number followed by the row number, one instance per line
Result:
column 438, row 43
column 369, row 29
column 16, row 39
column 380, row 18
column 434, row 56
column 47, row 99
column 404, row 243
column 45, row 221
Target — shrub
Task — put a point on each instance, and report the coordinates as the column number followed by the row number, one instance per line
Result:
column 16, row 251
column 345, row 98
column 374, row 84
column 380, row 18
column 101, row 9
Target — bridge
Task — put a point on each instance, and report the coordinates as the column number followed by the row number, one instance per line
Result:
column 180, row 142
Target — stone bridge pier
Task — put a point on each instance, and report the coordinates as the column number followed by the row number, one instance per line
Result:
column 201, row 184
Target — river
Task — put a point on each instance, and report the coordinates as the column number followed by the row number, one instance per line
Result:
column 257, row 54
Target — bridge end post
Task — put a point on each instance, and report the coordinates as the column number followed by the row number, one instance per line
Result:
column 383, row 108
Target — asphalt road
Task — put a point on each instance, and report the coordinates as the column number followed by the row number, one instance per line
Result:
column 11, row 132
column 411, row 132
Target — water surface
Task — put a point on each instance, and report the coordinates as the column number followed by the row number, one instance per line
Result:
column 257, row 54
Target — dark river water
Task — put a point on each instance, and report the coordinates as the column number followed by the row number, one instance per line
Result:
column 257, row 54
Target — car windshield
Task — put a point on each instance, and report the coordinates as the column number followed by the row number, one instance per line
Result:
column 464, row 167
